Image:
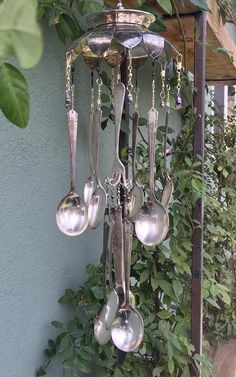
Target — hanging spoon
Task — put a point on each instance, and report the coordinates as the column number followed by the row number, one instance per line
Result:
column 169, row 186
column 128, row 328
column 136, row 196
column 90, row 185
column 118, row 169
column 117, row 295
column 101, row 332
column 98, row 201
column 152, row 223
column 71, row 215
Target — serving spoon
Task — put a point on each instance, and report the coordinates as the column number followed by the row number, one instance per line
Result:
column 72, row 214
column 152, row 223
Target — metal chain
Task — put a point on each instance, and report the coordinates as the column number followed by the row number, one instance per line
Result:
column 179, row 70
column 168, row 97
column 99, row 100
column 162, row 93
column 153, row 85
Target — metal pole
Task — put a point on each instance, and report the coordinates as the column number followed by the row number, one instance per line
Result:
column 198, row 150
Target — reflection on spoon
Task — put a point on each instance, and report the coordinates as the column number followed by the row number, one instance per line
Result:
column 72, row 216
column 152, row 223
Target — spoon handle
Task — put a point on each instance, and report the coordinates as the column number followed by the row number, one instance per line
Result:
column 72, row 121
column 134, row 144
column 118, row 168
column 152, row 129
column 169, row 187
column 119, row 98
column 97, row 117
column 128, row 234
column 118, row 247
column 91, row 141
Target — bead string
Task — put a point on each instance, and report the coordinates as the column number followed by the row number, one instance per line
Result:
column 162, row 93
column 130, row 76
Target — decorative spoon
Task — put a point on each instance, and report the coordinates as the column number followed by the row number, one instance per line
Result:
column 72, row 215
column 169, row 186
column 90, row 185
column 152, row 223
column 98, row 201
column 101, row 332
column 128, row 328
column 136, row 196
column 118, row 169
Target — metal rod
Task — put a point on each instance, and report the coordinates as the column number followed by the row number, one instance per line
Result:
column 198, row 150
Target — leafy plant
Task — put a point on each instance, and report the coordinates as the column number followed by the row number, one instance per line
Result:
column 20, row 37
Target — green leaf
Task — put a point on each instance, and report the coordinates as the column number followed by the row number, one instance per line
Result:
column 202, row 4
column 171, row 366
column 57, row 324
column 164, row 314
column 94, row 6
column 178, row 287
column 157, row 371
column 97, row 292
column 14, row 95
column 166, row 287
column 197, row 185
column 144, row 276
column 65, row 343
column 41, row 372
column 154, row 283
column 166, row 5
column 118, row 373
column 20, row 33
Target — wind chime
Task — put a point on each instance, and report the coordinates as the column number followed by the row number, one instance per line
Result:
column 120, row 34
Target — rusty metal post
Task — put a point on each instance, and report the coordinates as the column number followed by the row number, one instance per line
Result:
column 198, row 150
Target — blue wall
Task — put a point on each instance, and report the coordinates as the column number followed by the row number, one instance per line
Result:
column 37, row 262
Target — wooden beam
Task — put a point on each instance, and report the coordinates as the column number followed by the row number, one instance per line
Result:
column 220, row 69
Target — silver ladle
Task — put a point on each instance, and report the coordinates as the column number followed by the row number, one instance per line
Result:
column 98, row 201
column 136, row 196
column 118, row 169
column 152, row 223
column 128, row 328
column 72, row 215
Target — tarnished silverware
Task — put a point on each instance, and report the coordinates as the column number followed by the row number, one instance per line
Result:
column 152, row 223
column 72, row 215
column 98, row 201
column 128, row 328
column 136, row 196
column 118, row 170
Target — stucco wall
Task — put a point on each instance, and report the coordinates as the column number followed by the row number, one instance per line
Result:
column 37, row 262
